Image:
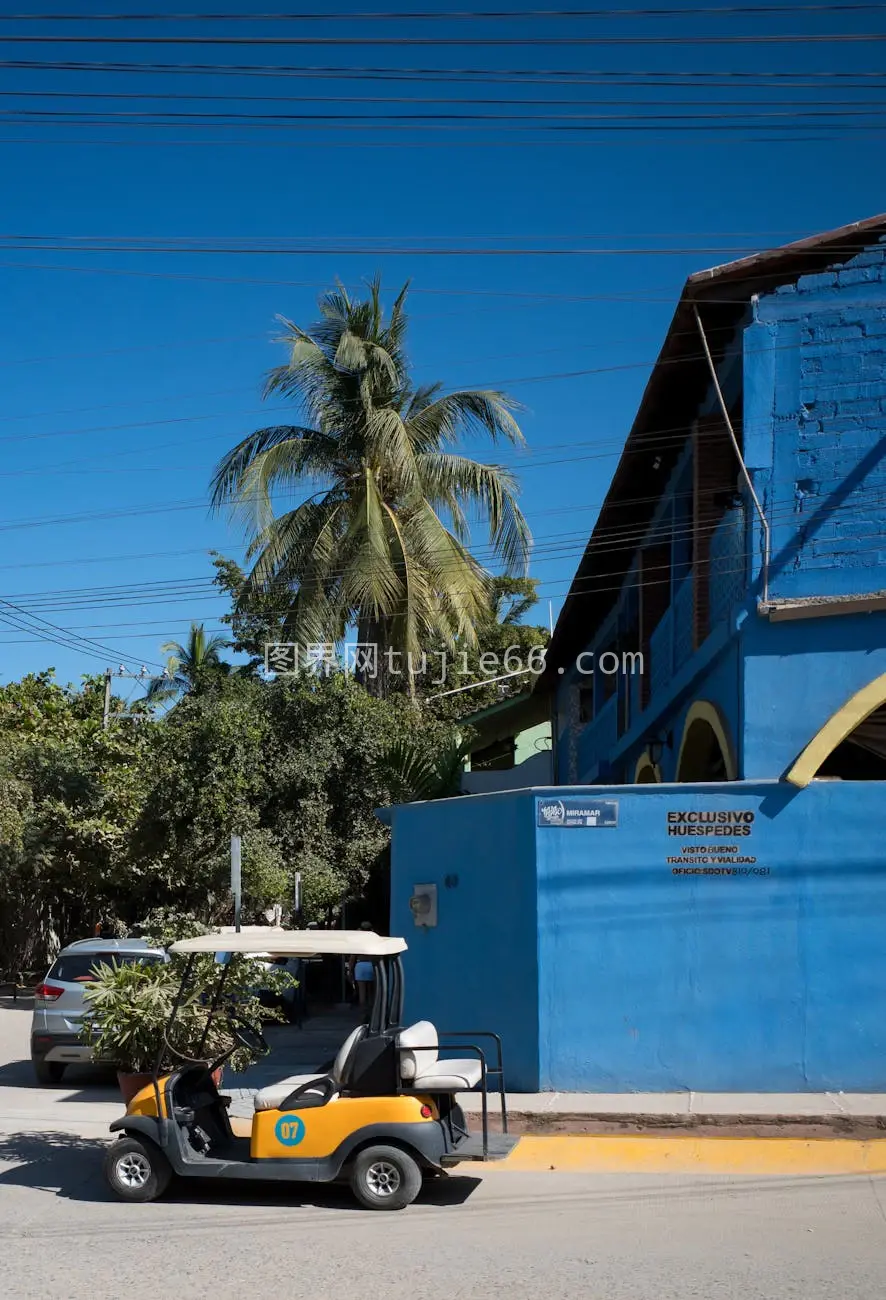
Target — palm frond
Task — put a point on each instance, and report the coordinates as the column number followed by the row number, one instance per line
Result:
column 446, row 477
column 469, row 411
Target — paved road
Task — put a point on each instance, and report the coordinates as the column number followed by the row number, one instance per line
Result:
column 618, row 1237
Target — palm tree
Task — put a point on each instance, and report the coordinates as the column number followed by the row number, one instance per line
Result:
column 381, row 543
column 188, row 666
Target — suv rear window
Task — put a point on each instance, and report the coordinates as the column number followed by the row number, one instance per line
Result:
column 77, row 968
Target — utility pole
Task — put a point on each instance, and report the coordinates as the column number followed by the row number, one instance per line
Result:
column 296, row 902
column 106, row 711
column 236, row 879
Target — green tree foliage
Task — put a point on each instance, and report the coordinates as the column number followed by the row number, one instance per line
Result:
column 71, row 793
column 504, row 645
column 381, row 542
column 191, row 667
column 109, row 824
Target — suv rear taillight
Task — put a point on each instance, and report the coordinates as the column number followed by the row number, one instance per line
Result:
column 47, row 992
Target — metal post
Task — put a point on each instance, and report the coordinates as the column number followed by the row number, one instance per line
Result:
column 236, row 879
column 106, row 710
column 296, row 901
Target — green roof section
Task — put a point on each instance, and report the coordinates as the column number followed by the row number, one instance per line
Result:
column 508, row 718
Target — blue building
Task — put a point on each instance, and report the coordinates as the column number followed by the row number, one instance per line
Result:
column 732, row 581
column 699, row 898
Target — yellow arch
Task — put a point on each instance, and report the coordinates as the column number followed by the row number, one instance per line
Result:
column 646, row 765
column 836, row 729
column 704, row 711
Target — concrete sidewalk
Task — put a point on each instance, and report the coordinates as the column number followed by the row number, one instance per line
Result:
column 707, row 1105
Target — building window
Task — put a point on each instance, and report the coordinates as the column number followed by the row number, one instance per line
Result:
column 497, row 757
column 586, row 704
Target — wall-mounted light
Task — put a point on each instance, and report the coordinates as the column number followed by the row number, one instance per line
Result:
column 423, row 905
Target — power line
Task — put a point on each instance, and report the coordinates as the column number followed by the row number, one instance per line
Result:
column 530, row 76
column 436, row 141
column 361, row 42
column 513, row 381
column 783, row 119
column 104, row 244
column 430, row 99
column 487, row 15
column 557, row 546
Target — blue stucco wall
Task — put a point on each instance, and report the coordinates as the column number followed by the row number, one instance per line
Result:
column 478, row 968
column 649, row 981
column 815, row 374
column 604, row 971
column 796, row 676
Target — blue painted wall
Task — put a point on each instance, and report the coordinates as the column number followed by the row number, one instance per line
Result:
column 796, row 676
column 605, row 971
column 812, row 372
column 770, row 983
column 823, row 395
column 478, row 968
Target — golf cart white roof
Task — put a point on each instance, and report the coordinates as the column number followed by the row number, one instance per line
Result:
column 295, row 943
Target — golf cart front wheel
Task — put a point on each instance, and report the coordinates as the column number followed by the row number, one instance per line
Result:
column 136, row 1170
column 385, row 1178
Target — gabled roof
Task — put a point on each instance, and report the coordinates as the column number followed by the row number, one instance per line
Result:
column 675, row 388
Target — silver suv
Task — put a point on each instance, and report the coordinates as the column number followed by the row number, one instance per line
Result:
column 59, row 1005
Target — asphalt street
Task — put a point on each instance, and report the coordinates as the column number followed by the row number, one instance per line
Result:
column 618, row 1236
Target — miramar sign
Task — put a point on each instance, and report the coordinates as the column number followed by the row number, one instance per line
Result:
column 575, row 811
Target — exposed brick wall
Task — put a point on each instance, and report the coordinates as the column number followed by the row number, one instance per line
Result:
column 827, row 495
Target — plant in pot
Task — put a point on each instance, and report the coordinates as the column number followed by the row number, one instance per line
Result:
column 127, row 1007
column 252, row 990
column 128, row 1010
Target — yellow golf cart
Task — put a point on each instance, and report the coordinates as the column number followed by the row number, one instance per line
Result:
column 384, row 1117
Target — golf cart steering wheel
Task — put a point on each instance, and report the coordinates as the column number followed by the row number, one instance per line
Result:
column 246, row 1035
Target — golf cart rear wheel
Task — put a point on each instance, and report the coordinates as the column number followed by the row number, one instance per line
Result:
column 136, row 1170
column 385, row 1178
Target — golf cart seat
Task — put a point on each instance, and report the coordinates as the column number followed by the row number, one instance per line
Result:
column 276, row 1094
column 421, row 1069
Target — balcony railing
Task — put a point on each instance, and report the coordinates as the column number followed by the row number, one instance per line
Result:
column 728, row 565
column 683, row 608
column 661, row 653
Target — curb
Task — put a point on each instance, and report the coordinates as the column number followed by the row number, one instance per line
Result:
column 761, row 1156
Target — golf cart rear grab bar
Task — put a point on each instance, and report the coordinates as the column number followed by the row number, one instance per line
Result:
column 484, row 1091
column 497, row 1069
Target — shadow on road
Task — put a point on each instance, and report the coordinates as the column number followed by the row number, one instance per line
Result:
column 186, row 1191
column 79, row 1082
column 71, row 1166
column 62, row 1163
column 24, row 1002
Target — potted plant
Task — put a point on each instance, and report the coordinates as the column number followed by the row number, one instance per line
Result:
column 127, row 1007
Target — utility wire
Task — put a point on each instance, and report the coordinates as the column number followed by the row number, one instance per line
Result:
column 487, row 15
column 361, row 42
column 559, row 547
column 531, row 76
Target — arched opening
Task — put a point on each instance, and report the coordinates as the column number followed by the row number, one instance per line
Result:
column 646, row 772
column 851, row 746
column 705, row 751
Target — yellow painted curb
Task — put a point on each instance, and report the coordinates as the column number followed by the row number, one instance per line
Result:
column 695, row 1155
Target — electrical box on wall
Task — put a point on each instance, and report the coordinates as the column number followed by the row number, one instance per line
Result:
column 423, row 904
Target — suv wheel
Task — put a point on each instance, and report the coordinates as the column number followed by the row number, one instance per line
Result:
column 48, row 1072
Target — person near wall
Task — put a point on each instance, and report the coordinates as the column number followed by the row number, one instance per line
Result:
column 362, row 974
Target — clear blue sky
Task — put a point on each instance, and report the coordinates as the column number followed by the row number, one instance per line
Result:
column 124, row 380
